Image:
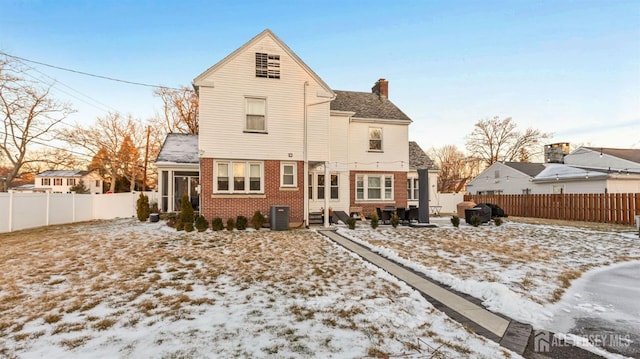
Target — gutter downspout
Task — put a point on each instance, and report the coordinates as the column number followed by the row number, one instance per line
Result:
column 305, row 158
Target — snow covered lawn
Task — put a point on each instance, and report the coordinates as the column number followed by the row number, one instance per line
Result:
column 518, row 269
column 125, row 289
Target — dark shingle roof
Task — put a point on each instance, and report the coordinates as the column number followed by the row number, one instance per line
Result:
column 367, row 105
column 628, row 154
column 531, row 169
column 179, row 148
column 62, row 173
column 418, row 158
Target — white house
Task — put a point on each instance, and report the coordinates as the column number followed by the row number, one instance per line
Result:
column 272, row 132
column 61, row 181
column 585, row 170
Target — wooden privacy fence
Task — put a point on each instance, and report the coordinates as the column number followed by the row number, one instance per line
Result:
column 620, row 208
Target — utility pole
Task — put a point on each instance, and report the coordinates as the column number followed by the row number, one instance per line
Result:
column 146, row 160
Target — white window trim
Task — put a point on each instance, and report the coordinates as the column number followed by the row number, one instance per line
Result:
column 365, row 184
column 412, row 185
column 295, row 174
column 247, row 172
column 381, row 139
column 266, row 124
column 313, row 191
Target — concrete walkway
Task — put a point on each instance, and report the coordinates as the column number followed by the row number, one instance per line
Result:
column 510, row 334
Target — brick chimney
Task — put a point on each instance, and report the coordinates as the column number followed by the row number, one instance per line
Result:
column 381, row 88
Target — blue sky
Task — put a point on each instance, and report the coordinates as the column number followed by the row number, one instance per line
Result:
column 567, row 67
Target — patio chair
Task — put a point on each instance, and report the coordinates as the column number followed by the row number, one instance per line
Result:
column 403, row 215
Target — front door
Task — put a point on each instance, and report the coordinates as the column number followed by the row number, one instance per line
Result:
column 189, row 184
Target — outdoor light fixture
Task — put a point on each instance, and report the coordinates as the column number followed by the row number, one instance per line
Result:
column 600, row 152
column 557, row 178
column 587, row 175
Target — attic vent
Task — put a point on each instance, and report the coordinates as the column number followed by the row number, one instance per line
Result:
column 267, row 66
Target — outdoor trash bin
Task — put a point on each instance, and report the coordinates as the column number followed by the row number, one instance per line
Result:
column 154, row 217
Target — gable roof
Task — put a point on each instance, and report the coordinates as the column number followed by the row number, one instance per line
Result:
column 63, row 173
column 530, row 169
column 418, row 158
column 198, row 80
column 628, row 154
column 367, row 105
column 179, row 148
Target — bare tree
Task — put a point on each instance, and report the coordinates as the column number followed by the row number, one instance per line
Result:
column 494, row 140
column 103, row 141
column 180, row 107
column 456, row 169
column 29, row 113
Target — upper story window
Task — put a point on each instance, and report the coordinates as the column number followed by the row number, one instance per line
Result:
column 375, row 139
column 46, row 181
column 238, row 177
column 256, row 109
column 267, row 66
column 57, row 181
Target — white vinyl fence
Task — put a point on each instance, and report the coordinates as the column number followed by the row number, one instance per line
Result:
column 28, row 210
column 448, row 201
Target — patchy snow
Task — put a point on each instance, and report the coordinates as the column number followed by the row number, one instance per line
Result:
column 520, row 270
column 127, row 289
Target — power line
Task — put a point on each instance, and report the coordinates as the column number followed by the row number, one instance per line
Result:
column 88, row 74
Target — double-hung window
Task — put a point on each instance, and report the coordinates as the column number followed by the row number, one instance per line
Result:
column 57, row 181
column 374, row 187
column 334, row 187
column 256, row 113
column 71, row 181
column 288, row 175
column 46, row 181
column 375, row 139
column 412, row 189
column 238, row 177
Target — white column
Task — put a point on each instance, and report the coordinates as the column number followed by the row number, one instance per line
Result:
column 327, row 193
column 170, row 191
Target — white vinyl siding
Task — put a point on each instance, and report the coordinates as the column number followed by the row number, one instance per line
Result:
column 288, row 175
column 238, row 177
column 222, row 111
column 374, row 187
column 256, row 109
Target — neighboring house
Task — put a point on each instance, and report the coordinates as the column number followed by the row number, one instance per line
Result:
column 60, row 181
column 585, row 170
column 506, row 178
column 418, row 159
column 272, row 132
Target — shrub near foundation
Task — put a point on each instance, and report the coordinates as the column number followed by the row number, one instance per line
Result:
column 375, row 221
column 217, row 224
column 201, row 224
column 455, row 220
column 395, row 220
column 258, row 220
column 241, row 223
column 351, row 222
column 231, row 224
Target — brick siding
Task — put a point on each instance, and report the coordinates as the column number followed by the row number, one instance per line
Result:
column 245, row 205
column 399, row 191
